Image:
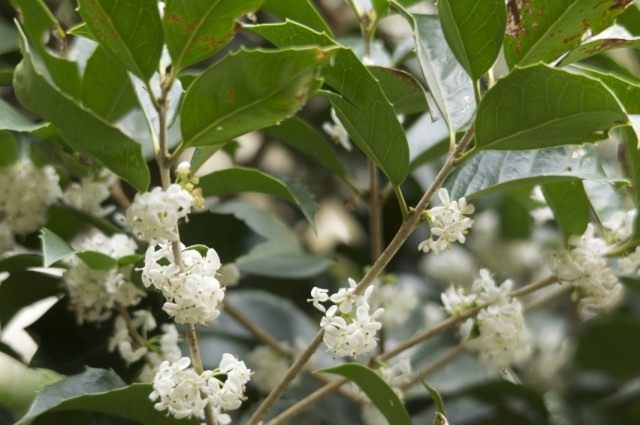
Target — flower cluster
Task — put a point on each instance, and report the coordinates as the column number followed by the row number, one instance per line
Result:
column 143, row 321
column 26, row 193
column 349, row 326
column 448, row 223
column 585, row 267
column 94, row 293
column 337, row 131
column 184, row 393
column 89, row 194
column 398, row 302
column 498, row 333
column 193, row 292
column 154, row 215
column 269, row 367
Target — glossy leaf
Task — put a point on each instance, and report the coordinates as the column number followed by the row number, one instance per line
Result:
column 401, row 88
column 280, row 255
column 570, row 205
column 301, row 11
column 54, row 248
column 542, row 30
column 106, row 88
column 625, row 90
column 447, row 82
column 299, row 135
column 362, row 106
column 82, row 129
column 196, row 29
column 236, row 180
column 97, row 260
column 260, row 89
column 474, row 31
column 130, row 30
column 99, row 391
column 10, row 119
column 378, row 391
column 540, row 106
column 496, row 170
column 592, row 48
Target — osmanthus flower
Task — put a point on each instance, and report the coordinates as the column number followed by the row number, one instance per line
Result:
column 398, row 301
column 153, row 216
column 94, row 293
column 143, row 321
column 349, row 326
column 269, row 367
column 448, row 223
column 337, row 131
column 164, row 346
column 584, row 267
column 26, row 193
column 90, row 192
column 193, row 293
column 498, row 332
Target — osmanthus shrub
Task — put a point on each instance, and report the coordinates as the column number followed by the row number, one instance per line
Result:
column 339, row 212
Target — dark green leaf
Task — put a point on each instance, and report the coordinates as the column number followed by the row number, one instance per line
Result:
column 625, row 90
column 81, row 30
column 37, row 20
column 128, row 260
column 378, row 391
column 10, row 119
column 130, row 30
column 236, row 180
column 259, row 89
column 542, row 30
column 497, row 170
column 196, row 29
column 401, row 88
column 362, row 107
column 447, row 82
column 97, row 260
column 106, row 88
column 301, row 11
column 82, row 129
column 570, row 205
column 299, row 135
column 280, row 255
column 474, row 31
column 8, row 148
column 539, row 106
column 54, row 248
column 100, row 391
column 592, row 48
column 23, row 287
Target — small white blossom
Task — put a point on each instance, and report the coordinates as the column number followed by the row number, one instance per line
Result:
column 89, row 194
column 319, row 295
column 586, row 268
column 121, row 339
column 337, row 131
column 26, row 193
column 230, row 394
column 345, row 298
column 154, row 216
column 193, row 294
column 456, row 301
column 398, row 302
column 631, row 263
column 448, row 223
column 488, row 291
column 620, row 225
column 168, row 349
column 269, row 367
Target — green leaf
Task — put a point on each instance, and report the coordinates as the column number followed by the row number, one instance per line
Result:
column 301, row 11
column 129, row 260
column 489, row 171
column 99, row 391
column 281, row 255
column 570, row 205
column 595, row 47
column 81, row 30
column 447, row 82
column 539, row 106
column 625, row 90
column 239, row 179
column 10, row 119
column 202, row 154
column 401, row 88
column 474, row 31
column 441, row 413
column 196, row 29
column 8, row 148
column 79, row 127
column 37, row 20
column 54, row 248
column 106, row 88
column 378, row 391
column 362, row 107
column 130, row 30
column 97, row 260
column 542, row 30
column 299, row 135
column 23, row 287
column 259, row 89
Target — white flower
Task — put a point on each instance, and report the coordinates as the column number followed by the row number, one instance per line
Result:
column 90, row 193
column 456, row 301
column 26, row 192
column 586, row 268
column 319, row 295
column 183, row 169
column 345, row 298
column 398, row 302
column 448, row 223
column 488, row 291
column 337, row 131
column 193, row 294
column 154, row 216
column 269, row 367
column 177, row 389
column 631, row 263
column 230, row 394
column 620, row 225
column 93, row 294
column 142, row 321
column 168, row 349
